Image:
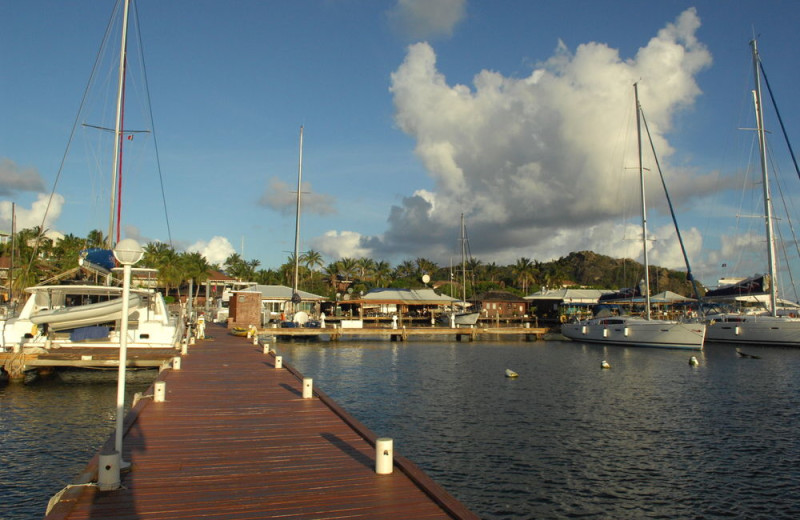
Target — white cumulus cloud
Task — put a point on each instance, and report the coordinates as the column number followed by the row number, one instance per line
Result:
column 35, row 215
column 215, row 251
column 535, row 162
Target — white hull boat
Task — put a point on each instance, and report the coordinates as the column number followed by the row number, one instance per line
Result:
column 753, row 329
column 766, row 328
column 63, row 316
column 637, row 331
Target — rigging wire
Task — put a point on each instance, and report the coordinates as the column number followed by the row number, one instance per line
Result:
column 152, row 121
column 689, row 275
column 69, row 145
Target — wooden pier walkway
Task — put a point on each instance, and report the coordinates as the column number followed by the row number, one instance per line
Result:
column 235, row 439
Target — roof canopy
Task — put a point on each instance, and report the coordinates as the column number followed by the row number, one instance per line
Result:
column 281, row 292
column 404, row 297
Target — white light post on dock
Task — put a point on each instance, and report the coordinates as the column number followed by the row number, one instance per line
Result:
column 127, row 252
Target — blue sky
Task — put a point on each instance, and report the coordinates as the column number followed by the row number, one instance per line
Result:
column 515, row 112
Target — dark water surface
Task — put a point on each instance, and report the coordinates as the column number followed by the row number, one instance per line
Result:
column 50, row 429
column 650, row 438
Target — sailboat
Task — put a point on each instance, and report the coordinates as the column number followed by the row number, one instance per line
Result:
column 89, row 316
column 766, row 327
column 462, row 317
column 639, row 331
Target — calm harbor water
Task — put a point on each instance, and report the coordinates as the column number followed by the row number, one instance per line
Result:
column 650, row 438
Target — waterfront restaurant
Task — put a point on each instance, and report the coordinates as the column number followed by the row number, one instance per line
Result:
column 409, row 303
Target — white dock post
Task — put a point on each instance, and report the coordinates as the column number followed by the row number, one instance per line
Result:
column 384, row 456
column 176, row 363
column 266, row 348
column 278, row 361
column 159, row 391
column 308, row 388
column 108, row 471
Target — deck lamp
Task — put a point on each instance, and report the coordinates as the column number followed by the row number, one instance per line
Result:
column 127, row 252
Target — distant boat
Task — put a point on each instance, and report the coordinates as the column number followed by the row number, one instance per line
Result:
column 510, row 373
column 463, row 316
column 625, row 329
column 768, row 327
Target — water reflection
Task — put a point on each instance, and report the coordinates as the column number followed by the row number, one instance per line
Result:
column 651, row 437
column 49, row 430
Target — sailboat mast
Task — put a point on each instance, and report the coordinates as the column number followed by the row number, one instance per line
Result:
column 644, row 205
column 762, row 145
column 463, row 265
column 295, row 294
column 116, row 166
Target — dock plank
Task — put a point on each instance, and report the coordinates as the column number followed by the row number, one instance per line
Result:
column 235, row 439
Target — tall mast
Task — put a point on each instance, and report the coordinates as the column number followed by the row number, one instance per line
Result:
column 116, row 166
column 295, row 295
column 13, row 247
column 463, row 264
column 762, row 145
column 644, row 205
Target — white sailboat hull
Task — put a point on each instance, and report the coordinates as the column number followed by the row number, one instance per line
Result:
column 49, row 321
column 637, row 332
column 753, row 329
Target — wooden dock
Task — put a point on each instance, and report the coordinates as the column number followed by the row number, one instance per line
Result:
column 235, row 439
column 407, row 333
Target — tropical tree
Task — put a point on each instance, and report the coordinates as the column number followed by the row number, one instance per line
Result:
column 348, row 267
column 365, row 268
column 382, row 274
column 312, row 259
column 523, row 271
column 95, row 238
column 195, row 267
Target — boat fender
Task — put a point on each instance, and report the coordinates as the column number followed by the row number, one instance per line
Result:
column 563, row 318
column 34, row 330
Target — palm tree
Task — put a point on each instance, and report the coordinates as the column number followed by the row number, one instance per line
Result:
column 348, row 267
column 95, row 238
column 312, row 259
column 405, row 269
column 523, row 271
column 161, row 256
column 382, row 274
column 425, row 266
column 195, row 267
column 365, row 267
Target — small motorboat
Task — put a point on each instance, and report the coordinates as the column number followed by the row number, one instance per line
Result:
column 510, row 373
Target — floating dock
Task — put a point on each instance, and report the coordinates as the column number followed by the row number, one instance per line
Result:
column 406, row 333
column 232, row 432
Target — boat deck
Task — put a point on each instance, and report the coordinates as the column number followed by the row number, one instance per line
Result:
column 235, row 438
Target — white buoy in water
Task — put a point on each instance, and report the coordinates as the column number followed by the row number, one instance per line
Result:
column 693, row 361
column 604, row 364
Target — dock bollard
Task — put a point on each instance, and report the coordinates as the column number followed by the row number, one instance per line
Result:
column 159, row 391
column 176, row 363
column 108, row 471
column 308, row 388
column 278, row 361
column 384, row 456
column 255, row 339
column 184, row 348
column 266, row 348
